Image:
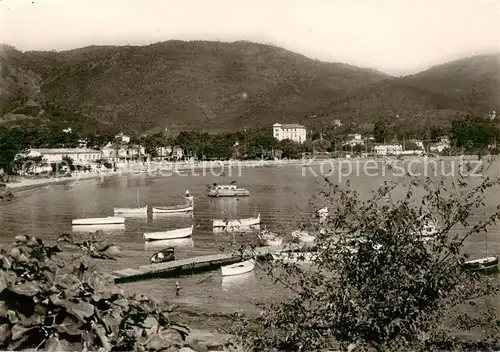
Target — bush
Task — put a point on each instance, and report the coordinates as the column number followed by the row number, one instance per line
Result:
column 380, row 280
column 44, row 305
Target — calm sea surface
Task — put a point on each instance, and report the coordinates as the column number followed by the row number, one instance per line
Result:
column 281, row 196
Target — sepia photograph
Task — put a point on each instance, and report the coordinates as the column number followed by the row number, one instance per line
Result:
column 246, row 176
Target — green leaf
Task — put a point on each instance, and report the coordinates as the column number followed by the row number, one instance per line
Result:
column 80, row 310
column 26, row 289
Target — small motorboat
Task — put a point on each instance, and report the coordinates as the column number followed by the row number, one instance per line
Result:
column 227, row 191
column 169, row 235
column 110, row 220
column 238, row 268
column 165, row 255
column 131, row 211
column 237, row 222
column 486, row 265
column 303, row 236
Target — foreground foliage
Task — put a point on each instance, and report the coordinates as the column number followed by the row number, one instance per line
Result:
column 47, row 305
column 380, row 280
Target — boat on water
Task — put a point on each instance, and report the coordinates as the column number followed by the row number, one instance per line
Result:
column 239, row 229
column 131, row 211
column 165, row 255
column 485, row 265
column 238, row 268
column 303, row 236
column 227, row 191
column 110, row 220
column 235, row 223
column 183, row 208
column 95, row 228
column 169, row 235
column 270, row 238
column 177, row 242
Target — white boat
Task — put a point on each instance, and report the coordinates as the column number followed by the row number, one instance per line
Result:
column 95, row 228
column 131, row 211
column 238, row 268
column 184, row 208
column 487, row 264
column 227, row 191
column 237, row 222
column 303, row 236
column 169, row 235
column 100, row 221
column 229, row 282
column 240, row 229
column 177, row 242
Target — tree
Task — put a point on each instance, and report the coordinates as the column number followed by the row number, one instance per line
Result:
column 380, row 131
column 290, row 149
column 380, row 279
column 473, row 133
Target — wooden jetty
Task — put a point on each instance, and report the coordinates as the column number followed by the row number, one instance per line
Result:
column 190, row 265
column 185, row 266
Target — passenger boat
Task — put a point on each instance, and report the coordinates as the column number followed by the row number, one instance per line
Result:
column 238, row 268
column 110, row 220
column 227, row 191
column 237, row 222
column 165, row 255
column 169, row 235
column 486, row 265
column 303, row 236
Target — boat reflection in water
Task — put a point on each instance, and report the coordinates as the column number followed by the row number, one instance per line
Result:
column 234, row 281
column 241, row 229
column 177, row 242
column 94, row 228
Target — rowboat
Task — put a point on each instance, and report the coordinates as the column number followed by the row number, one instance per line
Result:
column 237, row 222
column 270, row 238
column 229, row 282
column 165, row 255
column 168, row 235
column 177, row 242
column 487, row 264
column 238, row 268
column 303, row 236
column 95, row 228
column 131, row 211
column 183, row 208
column 240, row 229
column 100, row 221
column 227, row 191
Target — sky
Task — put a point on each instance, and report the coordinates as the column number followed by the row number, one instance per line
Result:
column 394, row 36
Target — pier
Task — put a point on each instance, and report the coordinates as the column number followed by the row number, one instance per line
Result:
column 187, row 266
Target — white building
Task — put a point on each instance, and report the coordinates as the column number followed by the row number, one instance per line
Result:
column 78, row 155
column 292, row 131
column 440, row 146
column 388, row 149
column 355, row 139
column 123, row 138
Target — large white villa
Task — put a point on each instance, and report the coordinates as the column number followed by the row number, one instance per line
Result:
column 292, row 131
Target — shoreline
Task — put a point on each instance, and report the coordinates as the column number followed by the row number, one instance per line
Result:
column 157, row 168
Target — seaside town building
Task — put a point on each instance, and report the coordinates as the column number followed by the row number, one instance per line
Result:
column 388, row 149
column 78, row 155
column 292, row 131
column 355, row 139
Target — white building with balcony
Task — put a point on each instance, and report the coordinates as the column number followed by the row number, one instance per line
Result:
column 293, row 131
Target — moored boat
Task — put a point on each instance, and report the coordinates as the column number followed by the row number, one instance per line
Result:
column 237, row 222
column 110, row 220
column 165, row 255
column 177, row 242
column 183, row 208
column 486, row 265
column 95, row 228
column 131, row 211
column 303, row 236
column 239, row 229
column 227, row 191
column 169, row 235
column 238, row 268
